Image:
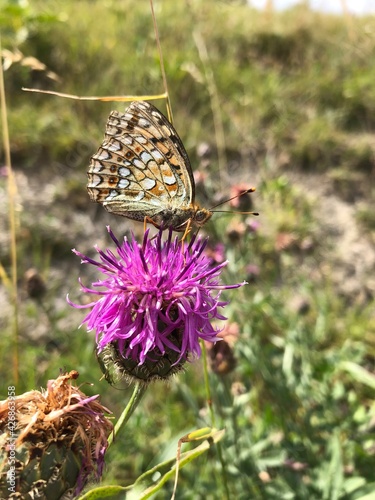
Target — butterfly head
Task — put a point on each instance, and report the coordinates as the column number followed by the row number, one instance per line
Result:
column 201, row 216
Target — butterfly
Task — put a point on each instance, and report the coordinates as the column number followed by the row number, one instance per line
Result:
column 142, row 171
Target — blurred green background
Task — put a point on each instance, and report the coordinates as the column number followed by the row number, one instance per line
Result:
column 281, row 101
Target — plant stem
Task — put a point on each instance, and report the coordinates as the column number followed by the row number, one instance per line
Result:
column 138, row 393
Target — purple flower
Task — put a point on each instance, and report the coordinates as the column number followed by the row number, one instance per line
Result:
column 157, row 300
column 216, row 254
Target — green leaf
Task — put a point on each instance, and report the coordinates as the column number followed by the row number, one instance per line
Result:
column 145, row 486
column 334, row 474
column 359, row 373
column 167, row 469
column 111, row 491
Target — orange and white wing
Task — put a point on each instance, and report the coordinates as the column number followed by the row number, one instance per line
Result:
column 142, row 166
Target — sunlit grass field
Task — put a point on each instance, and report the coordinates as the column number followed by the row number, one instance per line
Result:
column 284, row 102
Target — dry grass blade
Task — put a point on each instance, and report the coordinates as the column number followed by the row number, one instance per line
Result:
column 115, row 98
column 12, row 191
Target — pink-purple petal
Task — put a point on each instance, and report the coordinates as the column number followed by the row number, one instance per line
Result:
column 152, row 290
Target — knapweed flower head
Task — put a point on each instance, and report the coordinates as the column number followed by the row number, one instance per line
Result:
column 52, row 442
column 240, row 199
column 216, row 253
column 221, row 355
column 156, row 301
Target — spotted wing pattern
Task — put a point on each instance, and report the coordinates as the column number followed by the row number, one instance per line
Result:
column 142, row 170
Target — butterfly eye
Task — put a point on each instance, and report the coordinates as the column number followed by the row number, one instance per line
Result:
column 201, row 216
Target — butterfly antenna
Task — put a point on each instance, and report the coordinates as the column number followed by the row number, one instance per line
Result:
column 250, row 190
column 234, row 212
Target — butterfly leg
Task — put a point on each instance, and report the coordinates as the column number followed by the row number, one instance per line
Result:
column 186, row 232
column 147, row 220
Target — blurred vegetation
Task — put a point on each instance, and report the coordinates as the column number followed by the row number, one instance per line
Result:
column 297, row 107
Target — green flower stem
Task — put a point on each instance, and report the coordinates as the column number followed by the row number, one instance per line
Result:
column 138, row 393
column 207, row 383
column 213, row 420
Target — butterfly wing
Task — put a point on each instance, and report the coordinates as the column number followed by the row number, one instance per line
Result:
column 142, row 166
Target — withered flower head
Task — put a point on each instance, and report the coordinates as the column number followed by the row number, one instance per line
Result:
column 51, row 442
